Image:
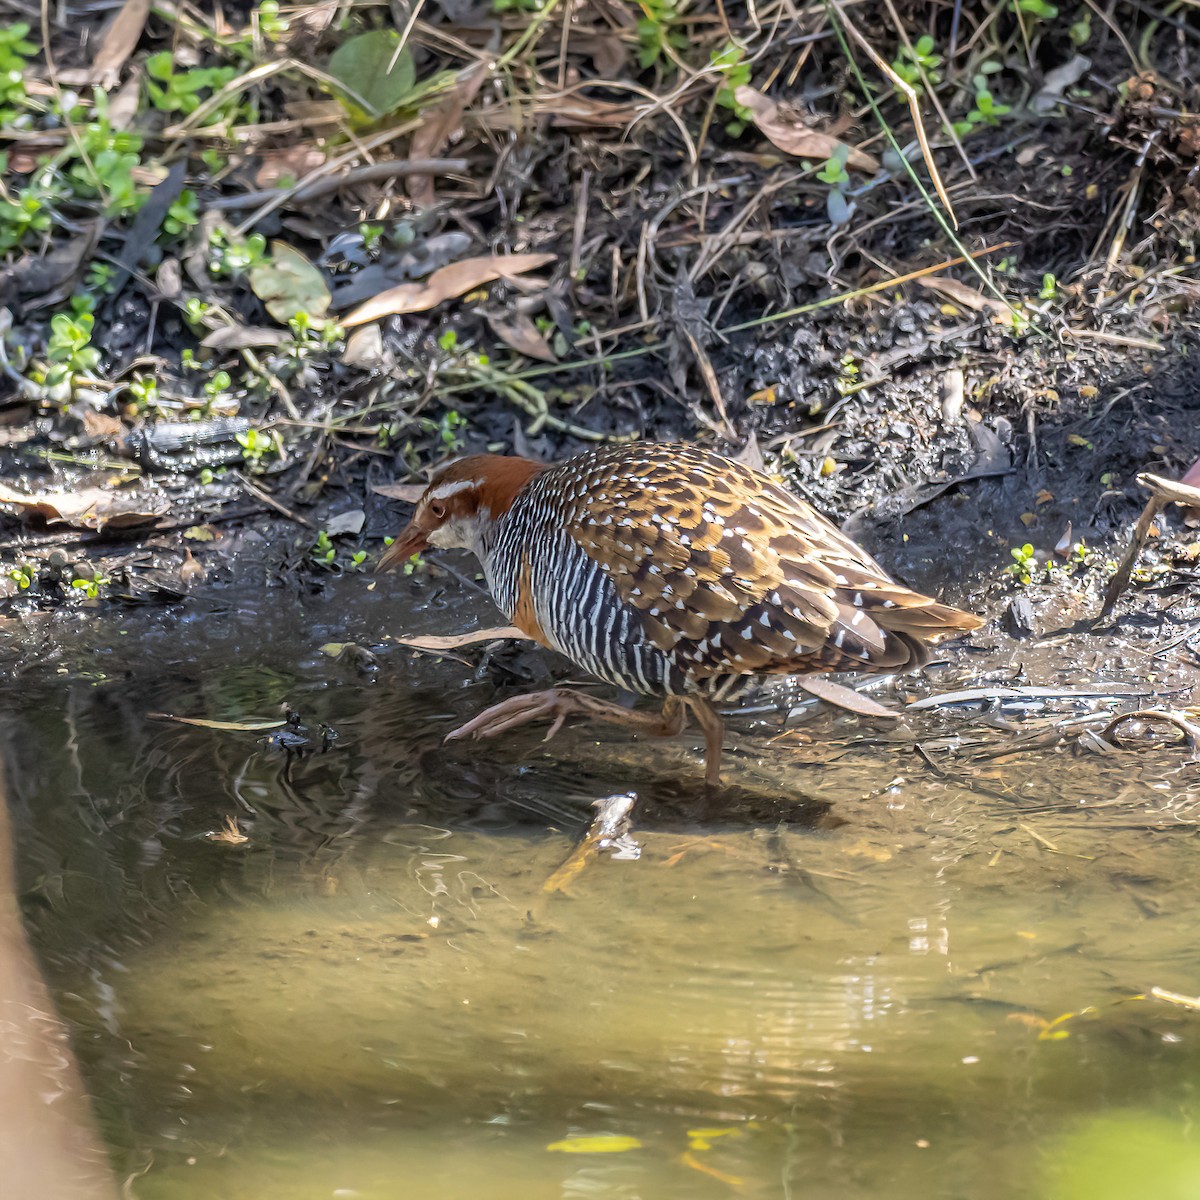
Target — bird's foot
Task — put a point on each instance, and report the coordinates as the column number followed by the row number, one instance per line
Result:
column 554, row 704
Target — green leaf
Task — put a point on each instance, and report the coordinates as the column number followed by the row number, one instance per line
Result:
column 605, row 1143
column 287, row 283
column 361, row 64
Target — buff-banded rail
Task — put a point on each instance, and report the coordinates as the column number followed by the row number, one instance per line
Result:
column 672, row 572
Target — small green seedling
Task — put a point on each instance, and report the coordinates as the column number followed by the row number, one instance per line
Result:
column 735, row 72
column 230, row 256
column 183, row 214
column 24, row 574
column 372, row 238
column 834, row 170
column 101, row 160
column 256, row 444
column 657, row 32
column 449, row 429
column 22, row 219
column 1023, row 565
column 195, row 311
column 69, row 347
column 270, row 23
column 144, row 390
column 217, row 385
column 15, row 52
column 988, row 110
column 183, row 92
column 916, row 61
column 323, row 549
column 98, row 279
column 90, row 587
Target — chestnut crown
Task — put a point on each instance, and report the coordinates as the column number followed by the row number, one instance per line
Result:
column 462, row 500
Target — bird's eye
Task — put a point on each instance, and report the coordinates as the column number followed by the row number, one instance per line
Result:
column 437, row 510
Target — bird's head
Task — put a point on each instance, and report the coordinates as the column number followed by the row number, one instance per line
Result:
column 461, row 503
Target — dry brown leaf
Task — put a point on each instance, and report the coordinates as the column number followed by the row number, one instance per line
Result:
column 364, row 349
column 310, row 20
column 294, row 163
column 437, row 128
column 607, row 52
column 518, row 331
column 123, row 104
column 409, row 493
column 244, row 337
column 455, row 641
column 119, row 42
column 844, row 697
column 787, row 130
column 960, row 293
column 966, row 296
column 98, row 426
column 88, row 508
column 38, row 281
column 451, row 281
column 568, row 111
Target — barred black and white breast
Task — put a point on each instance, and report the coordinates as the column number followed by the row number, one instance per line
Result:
column 671, row 570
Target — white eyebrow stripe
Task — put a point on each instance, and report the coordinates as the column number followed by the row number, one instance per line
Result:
column 444, row 491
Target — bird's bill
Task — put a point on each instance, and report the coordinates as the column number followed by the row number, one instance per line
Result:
column 412, row 540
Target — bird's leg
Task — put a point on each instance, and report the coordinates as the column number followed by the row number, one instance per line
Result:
column 557, row 704
column 714, row 738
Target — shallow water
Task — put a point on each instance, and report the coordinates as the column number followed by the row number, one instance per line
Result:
column 841, row 979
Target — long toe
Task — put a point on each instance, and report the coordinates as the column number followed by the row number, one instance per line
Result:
column 508, row 714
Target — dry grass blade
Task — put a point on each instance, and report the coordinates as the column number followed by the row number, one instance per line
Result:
column 947, row 124
column 882, row 285
column 445, row 284
column 437, row 127
column 712, row 384
column 914, row 109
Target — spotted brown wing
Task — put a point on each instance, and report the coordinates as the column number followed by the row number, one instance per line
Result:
column 732, row 574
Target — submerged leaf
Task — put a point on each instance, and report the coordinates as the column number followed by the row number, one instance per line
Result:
column 251, row 726
column 605, row 1143
column 453, row 641
column 89, row 507
column 844, row 697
